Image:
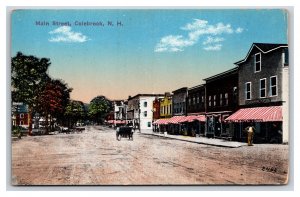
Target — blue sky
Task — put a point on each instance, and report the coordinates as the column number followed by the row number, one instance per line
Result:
column 152, row 52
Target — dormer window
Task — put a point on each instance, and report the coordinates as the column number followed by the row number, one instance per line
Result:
column 257, row 62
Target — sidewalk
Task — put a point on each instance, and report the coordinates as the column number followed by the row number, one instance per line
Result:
column 200, row 140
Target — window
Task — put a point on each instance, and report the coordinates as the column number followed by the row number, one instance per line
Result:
column 190, row 100
column 145, row 104
column 226, row 98
column 215, row 100
column 149, row 124
column 257, row 62
column 145, row 113
column 221, row 99
column 194, row 100
column 262, row 88
column 273, row 86
column 198, row 99
column 248, row 90
column 21, row 115
column 235, row 93
column 209, row 101
column 21, row 122
column 202, row 99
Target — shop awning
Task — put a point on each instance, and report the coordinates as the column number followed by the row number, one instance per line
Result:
column 175, row 119
column 117, row 121
column 200, row 118
column 257, row 114
column 161, row 121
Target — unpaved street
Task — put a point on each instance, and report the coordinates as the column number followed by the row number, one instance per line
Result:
column 95, row 157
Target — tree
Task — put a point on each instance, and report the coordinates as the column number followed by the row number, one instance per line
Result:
column 28, row 76
column 75, row 111
column 99, row 107
column 53, row 100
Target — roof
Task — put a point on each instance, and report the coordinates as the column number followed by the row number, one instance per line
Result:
column 223, row 74
column 257, row 114
column 184, row 89
column 197, row 86
column 148, row 95
column 20, row 108
column 264, row 48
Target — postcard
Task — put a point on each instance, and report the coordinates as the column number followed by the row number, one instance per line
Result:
column 149, row 97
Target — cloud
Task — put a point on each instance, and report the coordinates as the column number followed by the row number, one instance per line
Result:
column 216, row 47
column 196, row 29
column 239, row 30
column 65, row 34
column 210, row 40
column 172, row 44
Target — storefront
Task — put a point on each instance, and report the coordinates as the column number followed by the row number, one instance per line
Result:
column 267, row 122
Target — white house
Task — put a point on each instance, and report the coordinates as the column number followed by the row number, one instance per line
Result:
column 141, row 109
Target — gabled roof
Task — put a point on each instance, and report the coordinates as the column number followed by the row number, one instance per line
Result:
column 264, row 48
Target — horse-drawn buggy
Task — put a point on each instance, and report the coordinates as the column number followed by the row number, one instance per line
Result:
column 124, row 132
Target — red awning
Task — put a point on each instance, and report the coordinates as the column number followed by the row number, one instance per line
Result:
column 117, row 121
column 257, row 114
column 176, row 119
column 200, row 118
column 161, row 121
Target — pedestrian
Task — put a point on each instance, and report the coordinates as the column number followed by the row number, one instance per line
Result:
column 250, row 131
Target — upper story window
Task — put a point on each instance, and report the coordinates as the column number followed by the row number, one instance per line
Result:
column 198, row 99
column 145, row 104
column 190, row 101
column 21, row 115
column 209, row 100
column 273, row 86
column 215, row 100
column 257, row 62
column 262, row 88
column 248, row 90
column 221, row 99
column 235, row 94
column 145, row 113
column 226, row 98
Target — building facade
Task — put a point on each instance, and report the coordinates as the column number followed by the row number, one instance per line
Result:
column 140, row 111
column 166, row 106
column 20, row 115
column 263, row 95
column 196, row 100
column 179, row 101
column 221, row 101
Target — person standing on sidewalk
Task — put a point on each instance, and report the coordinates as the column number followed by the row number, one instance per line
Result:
column 250, row 131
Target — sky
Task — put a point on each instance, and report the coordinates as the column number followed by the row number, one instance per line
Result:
column 117, row 53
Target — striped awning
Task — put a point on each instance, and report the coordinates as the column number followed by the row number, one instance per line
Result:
column 200, row 118
column 117, row 121
column 161, row 121
column 176, row 119
column 257, row 114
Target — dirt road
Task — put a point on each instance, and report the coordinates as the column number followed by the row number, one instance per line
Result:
column 95, row 157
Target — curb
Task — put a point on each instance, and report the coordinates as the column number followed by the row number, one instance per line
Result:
column 186, row 140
